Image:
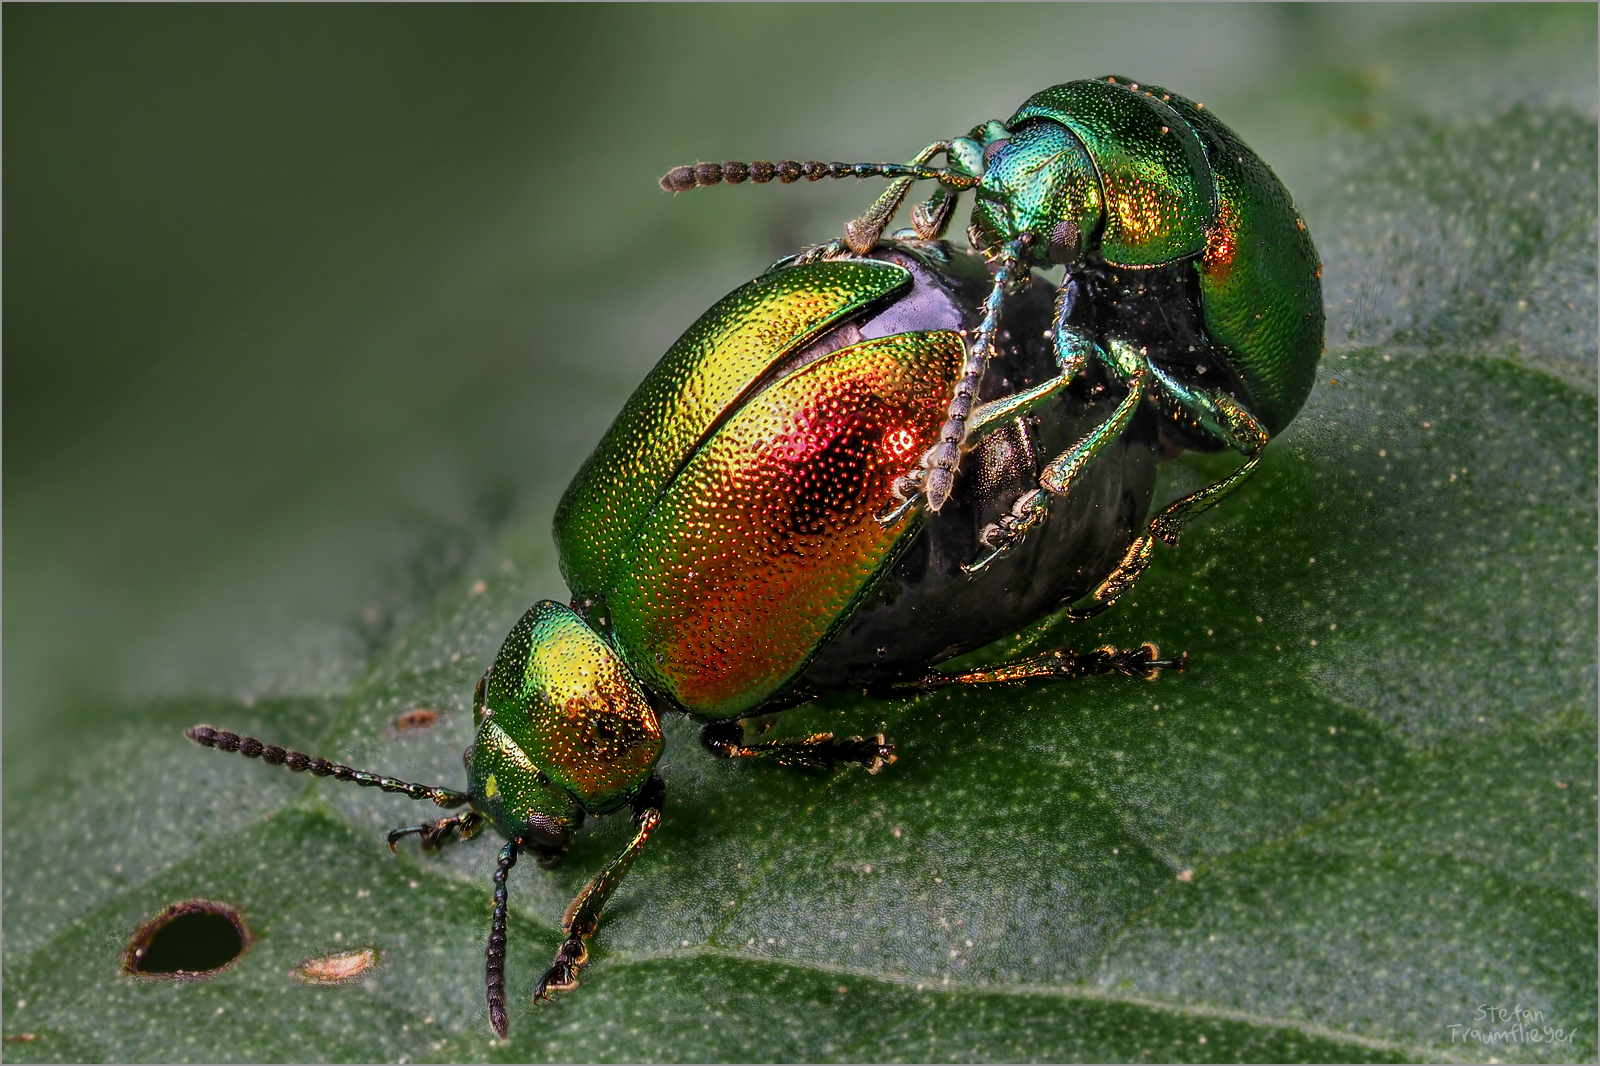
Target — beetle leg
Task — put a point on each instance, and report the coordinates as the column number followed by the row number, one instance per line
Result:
column 1030, row 509
column 819, row 751
column 1144, row 661
column 583, row 913
column 1165, row 527
column 1215, row 410
column 862, row 234
column 991, row 414
column 463, row 826
column 964, row 155
column 931, row 218
column 828, row 250
column 1073, row 349
column 907, row 494
column 1234, row 424
column 1133, row 368
column 939, row 465
column 1247, row 436
column 1033, row 507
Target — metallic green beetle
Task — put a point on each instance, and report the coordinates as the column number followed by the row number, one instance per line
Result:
column 1177, row 240
column 735, row 545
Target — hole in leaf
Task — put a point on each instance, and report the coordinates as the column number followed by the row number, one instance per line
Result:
column 195, row 938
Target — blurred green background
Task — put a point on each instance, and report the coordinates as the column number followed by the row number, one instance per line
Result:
column 309, row 311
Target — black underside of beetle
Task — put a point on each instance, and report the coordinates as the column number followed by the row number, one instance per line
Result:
column 926, row 608
column 1159, row 308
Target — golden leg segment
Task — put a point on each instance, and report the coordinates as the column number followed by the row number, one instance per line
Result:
column 1144, row 661
column 862, row 234
column 1165, row 527
column 583, row 914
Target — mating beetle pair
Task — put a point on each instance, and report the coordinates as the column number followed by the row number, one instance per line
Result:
column 1178, row 242
column 821, row 486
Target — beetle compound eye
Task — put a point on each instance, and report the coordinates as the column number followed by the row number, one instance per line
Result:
column 193, row 939
column 993, row 149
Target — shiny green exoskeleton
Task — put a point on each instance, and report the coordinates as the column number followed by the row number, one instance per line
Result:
column 1177, row 240
column 735, row 544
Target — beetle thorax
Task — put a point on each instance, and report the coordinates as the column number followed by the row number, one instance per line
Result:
column 1040, row 182
column 568, row 707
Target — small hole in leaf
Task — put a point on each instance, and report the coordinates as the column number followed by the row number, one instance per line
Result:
column 192, row 939
column 416, row 720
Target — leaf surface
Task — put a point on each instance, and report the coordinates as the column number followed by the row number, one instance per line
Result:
column 1364, row 816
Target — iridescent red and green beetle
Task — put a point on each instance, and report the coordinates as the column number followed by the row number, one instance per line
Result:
column 1156, row 210
column 821, row 485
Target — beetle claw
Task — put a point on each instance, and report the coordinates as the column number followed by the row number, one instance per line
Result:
column 562, row 976
column 972, row 569
column 908, row 491
column 435, row 834
column 999, row 538
column 817, row 253
column 878, row 753
column 890, row 515
column 908, row 486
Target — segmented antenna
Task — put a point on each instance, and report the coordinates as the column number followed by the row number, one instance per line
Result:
column 251, row 748
column 494, row 957
column 788, row 171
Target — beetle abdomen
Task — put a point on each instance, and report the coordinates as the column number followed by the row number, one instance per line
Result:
column 1259, row 277
column 711, row 368
column 768, row 538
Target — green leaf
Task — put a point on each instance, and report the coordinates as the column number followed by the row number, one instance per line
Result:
column 1365, row 817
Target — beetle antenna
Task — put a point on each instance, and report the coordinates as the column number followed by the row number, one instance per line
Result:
column 251, row 748
column 682, row 179
column 494, row 957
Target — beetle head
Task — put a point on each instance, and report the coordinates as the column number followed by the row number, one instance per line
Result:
column 1042, row 182
column 564, row 728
